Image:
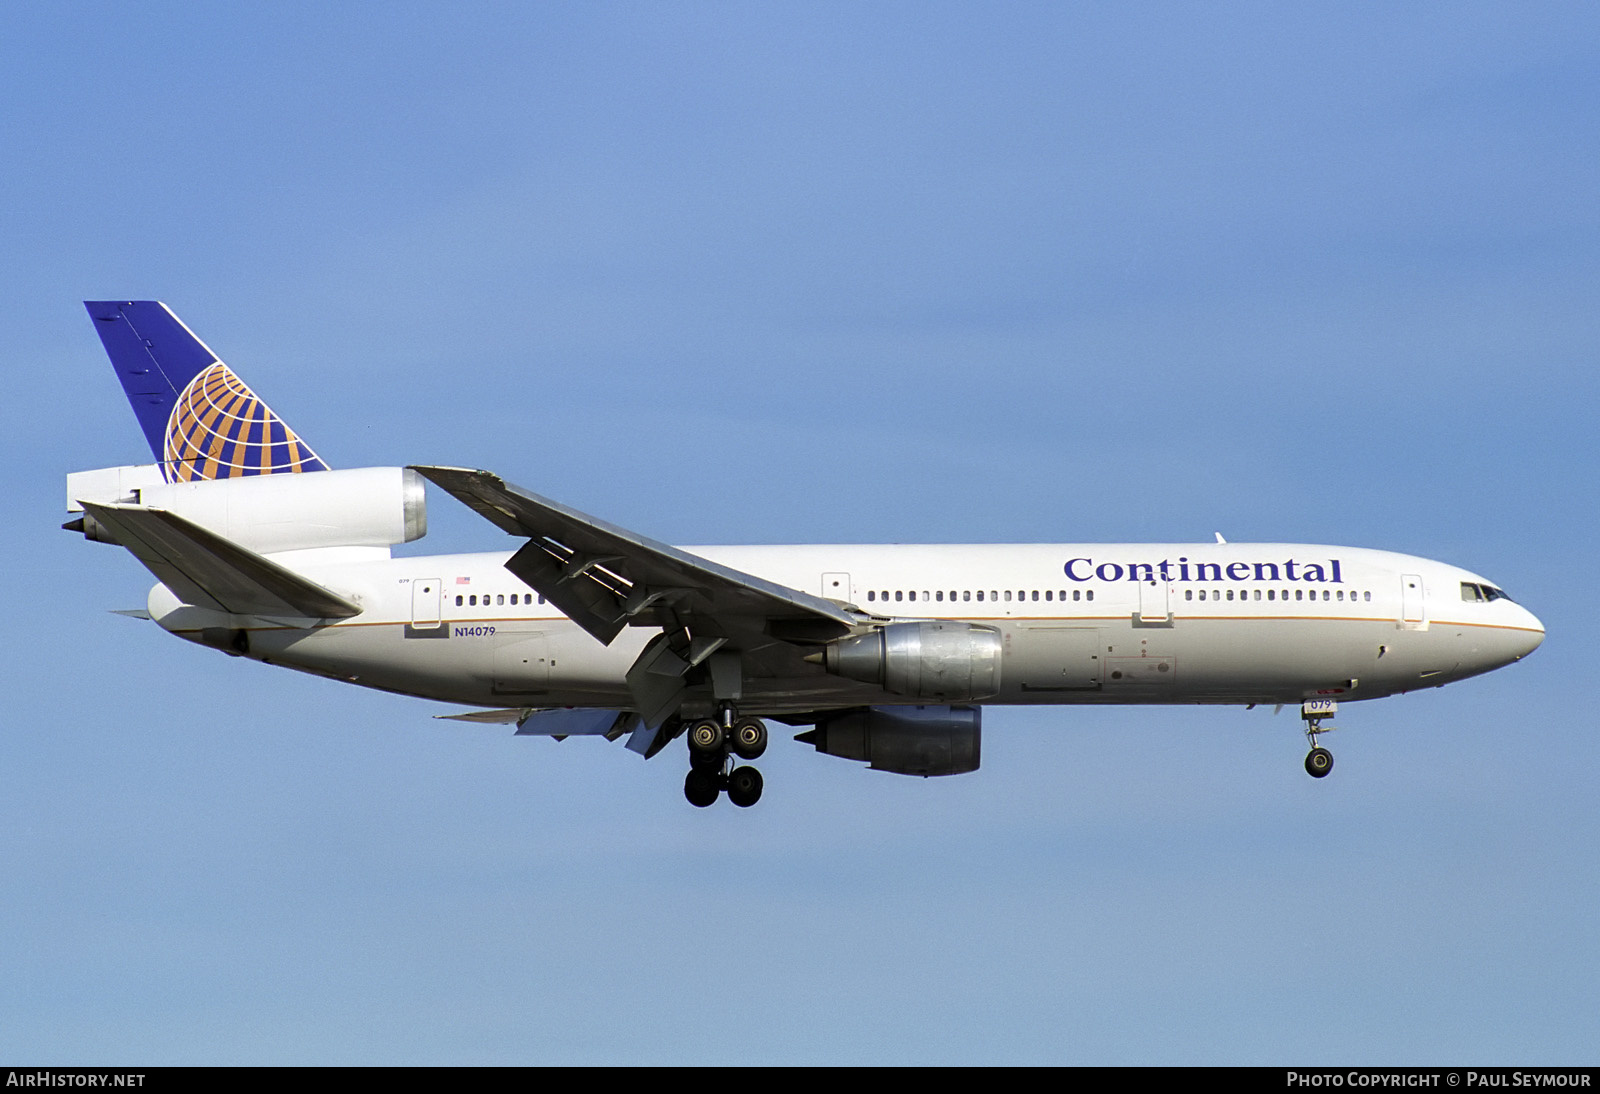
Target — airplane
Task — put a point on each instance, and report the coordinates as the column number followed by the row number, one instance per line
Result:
column 888, row 653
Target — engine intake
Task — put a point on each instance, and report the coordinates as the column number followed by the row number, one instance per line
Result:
column 936, row 659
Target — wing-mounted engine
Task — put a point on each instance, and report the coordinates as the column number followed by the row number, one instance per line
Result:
column 934, row 659
column 361, row 507
column 924, row 740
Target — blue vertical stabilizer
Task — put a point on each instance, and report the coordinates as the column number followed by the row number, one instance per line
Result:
column 201, row 420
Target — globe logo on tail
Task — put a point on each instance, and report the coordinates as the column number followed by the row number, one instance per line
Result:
column 220, row 429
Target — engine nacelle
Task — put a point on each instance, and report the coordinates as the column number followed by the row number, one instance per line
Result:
column 922, row 741
column 936, row 659
column 361, row 507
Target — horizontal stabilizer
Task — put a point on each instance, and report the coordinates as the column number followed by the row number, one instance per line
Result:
column 208, row 571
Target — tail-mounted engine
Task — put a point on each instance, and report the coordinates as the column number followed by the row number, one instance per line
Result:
column 361, row 507
column 929, row 660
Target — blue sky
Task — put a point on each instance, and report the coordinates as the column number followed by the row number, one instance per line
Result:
column 866, row 272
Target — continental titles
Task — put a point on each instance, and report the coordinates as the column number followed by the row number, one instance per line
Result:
column 1326, row 571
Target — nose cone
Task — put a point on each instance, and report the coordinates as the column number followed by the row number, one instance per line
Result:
column 1527, row 636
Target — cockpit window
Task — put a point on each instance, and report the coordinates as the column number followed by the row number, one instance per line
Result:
column 1473, row 592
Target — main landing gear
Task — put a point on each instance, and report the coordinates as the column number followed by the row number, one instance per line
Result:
column 712, row 744
column 1319, row 761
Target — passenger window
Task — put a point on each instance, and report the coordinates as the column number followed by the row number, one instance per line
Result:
column 1076, row 593
column 1089, row 595
column 1049, row 594
column 1008, row 596
column 1188, row 594
column 1270, row 593
column 966, row 594
column 458, row 601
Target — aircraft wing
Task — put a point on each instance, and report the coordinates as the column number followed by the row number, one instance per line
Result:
column 559, row 722
column 209, row 571
column 605, row 577
column 564, row 722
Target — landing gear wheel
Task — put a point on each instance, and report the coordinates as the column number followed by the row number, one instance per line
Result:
column 702, row 788
column 744, row 787
column 749, row 738
column 707, row 738
column 713, row 762
column 1319, row 761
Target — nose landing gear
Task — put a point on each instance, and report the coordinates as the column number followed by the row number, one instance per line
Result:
column 712, row 744
column 1319, row 761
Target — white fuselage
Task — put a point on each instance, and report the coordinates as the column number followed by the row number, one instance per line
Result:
column 1088, row 623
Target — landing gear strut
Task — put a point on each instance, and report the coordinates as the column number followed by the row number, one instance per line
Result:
column 712, row 743
column 1319, row 761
